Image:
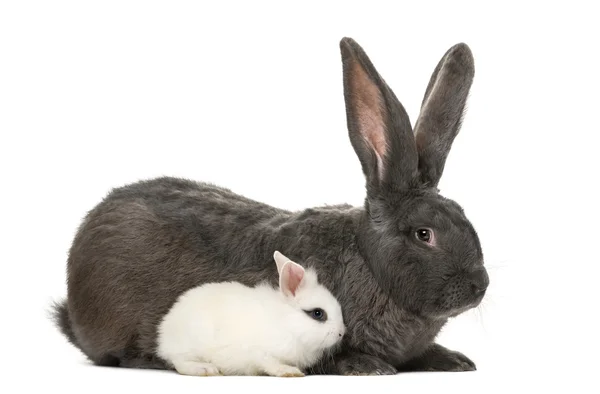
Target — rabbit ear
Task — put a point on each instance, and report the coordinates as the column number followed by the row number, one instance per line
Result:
column 442, row 110
column 290, row 278
column 378, row 125
column 290, row 274
column 280, row 260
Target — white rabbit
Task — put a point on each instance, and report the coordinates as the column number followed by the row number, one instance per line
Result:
column 228, row 328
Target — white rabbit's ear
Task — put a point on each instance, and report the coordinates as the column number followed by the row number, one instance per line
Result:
column 290, row 278
column 280, row 260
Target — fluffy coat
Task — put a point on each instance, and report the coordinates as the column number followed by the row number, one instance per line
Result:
column 231, row 329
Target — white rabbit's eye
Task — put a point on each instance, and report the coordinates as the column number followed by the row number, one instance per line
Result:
column 317, row 314
column 425, row 235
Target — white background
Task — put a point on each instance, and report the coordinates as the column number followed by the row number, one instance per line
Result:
column 249, row 95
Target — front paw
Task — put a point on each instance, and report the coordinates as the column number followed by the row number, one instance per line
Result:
column 462, row 362
column 358, row 364
column 286, row 371
column 195, row 368
column 439, row 359
column 452, row 361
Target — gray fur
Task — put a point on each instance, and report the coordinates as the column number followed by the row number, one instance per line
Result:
column 148, row 242
column 435, row 130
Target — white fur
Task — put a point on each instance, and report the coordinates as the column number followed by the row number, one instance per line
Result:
column 231, row 329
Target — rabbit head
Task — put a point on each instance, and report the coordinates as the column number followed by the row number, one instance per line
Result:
column 319, row 325
column 420, row 246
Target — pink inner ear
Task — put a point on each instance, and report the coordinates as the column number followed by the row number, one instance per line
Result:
column 291, row 277
column 370, row 112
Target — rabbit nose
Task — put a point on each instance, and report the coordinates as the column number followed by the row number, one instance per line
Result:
column 479, row 280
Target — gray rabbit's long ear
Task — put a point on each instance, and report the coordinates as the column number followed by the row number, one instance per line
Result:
column 442, row 111
column 378, row 125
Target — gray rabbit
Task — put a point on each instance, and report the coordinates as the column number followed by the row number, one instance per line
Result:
column 400, row 265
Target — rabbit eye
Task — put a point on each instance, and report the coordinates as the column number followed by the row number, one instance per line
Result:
column 424, row 235
column 317, row 314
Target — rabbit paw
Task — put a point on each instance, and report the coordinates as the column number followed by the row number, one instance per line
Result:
column 285, row 371
column 194, row 368
column 439, row 359
column 358, row 364
column 451, row 361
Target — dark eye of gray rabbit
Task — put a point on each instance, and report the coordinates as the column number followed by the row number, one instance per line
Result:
column 424, row 234
column 317, row 314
